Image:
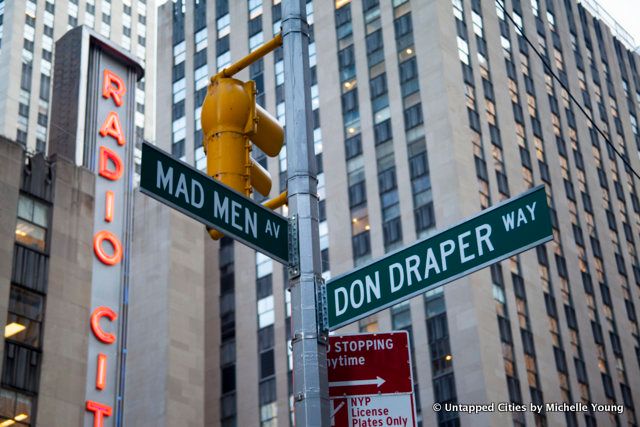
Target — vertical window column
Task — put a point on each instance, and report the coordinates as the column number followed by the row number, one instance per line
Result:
column 267, row 395
column 228, row 405
column 178, row 119
column 223, row 30
column 443, row 378
column 360, row 228
column 25, row 317
column 424, row 217
column 383, row 137
column 200, row 78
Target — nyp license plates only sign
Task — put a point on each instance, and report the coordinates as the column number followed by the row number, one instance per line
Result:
column 370, row 380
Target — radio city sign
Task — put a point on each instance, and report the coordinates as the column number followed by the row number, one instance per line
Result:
column 107, row 245
column 92, row 122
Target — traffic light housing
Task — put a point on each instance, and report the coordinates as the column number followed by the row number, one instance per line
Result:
column 231, row 121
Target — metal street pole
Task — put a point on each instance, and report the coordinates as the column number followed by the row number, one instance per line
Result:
column 310, row 387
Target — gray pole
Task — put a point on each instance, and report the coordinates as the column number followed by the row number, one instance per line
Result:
column 310, row 388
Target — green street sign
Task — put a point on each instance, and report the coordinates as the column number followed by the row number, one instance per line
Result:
column 499, row 232
column 204, row 199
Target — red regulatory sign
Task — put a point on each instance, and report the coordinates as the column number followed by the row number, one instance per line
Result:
column 367, row 364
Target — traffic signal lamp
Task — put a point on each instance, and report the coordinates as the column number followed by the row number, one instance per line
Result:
column 231, row 120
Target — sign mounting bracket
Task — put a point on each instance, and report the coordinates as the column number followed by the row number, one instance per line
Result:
column 322, row 310
column 294, row 248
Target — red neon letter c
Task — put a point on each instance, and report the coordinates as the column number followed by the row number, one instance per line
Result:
column 99, row 313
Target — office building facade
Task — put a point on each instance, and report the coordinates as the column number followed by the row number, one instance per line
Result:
column 28, row 32
column 424, row 113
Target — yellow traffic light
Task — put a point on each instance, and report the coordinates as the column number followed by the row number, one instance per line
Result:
column 231, row 119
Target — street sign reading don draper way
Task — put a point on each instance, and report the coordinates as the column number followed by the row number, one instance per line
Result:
column 496, row 233
column 197, row 195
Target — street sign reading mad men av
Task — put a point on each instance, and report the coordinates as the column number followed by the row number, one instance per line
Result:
column 197, row 195
column 494, row 234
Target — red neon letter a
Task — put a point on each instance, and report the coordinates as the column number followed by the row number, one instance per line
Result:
column 100, row 410
column 113, row 87
column 112, row 127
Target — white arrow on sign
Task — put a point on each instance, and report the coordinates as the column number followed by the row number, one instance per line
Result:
column 378, row 382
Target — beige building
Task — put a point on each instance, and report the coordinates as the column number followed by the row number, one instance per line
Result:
column 424, row 114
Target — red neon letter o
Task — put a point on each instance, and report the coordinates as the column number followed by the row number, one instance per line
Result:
column 99, row 313
column 107, row 259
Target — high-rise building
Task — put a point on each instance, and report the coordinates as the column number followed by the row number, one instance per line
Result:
column 28, row 32
column 425, row 113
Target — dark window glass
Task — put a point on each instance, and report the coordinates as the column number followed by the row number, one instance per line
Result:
column 392, row 231
column 350, row 101
column 378, row 86
column 255, row 25
column 264, row 286
column 222, row 45
column 265, row 338
column 267, row 364
column 424, row 217
column 228, row 379
column 32, row 223
column 21, row 367
column 357, row 194
column 408, row 70
column 267, row 391
column 200, row 58
column 346, row 57
column 25, row 316
column 177, row 110
column 403, row 25
column 387, row 180
column 413, row 116
column 325, row 259
column 222, row 8
column 25, row 80
column 374, row 42
column 353, row 146
column 13, row 404
column 361, row 245
column 177, row 148
column 382, row 131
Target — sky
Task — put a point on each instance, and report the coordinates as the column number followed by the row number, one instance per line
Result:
column 627, row 13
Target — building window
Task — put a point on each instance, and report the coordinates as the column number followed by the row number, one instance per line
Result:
column 413, row 116
column 24, row 317
column 31, row 226
column 15, row 407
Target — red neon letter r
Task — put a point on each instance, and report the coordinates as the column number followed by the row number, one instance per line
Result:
column 113, row 87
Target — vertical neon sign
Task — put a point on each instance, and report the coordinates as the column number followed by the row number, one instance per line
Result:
column 107, row 246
